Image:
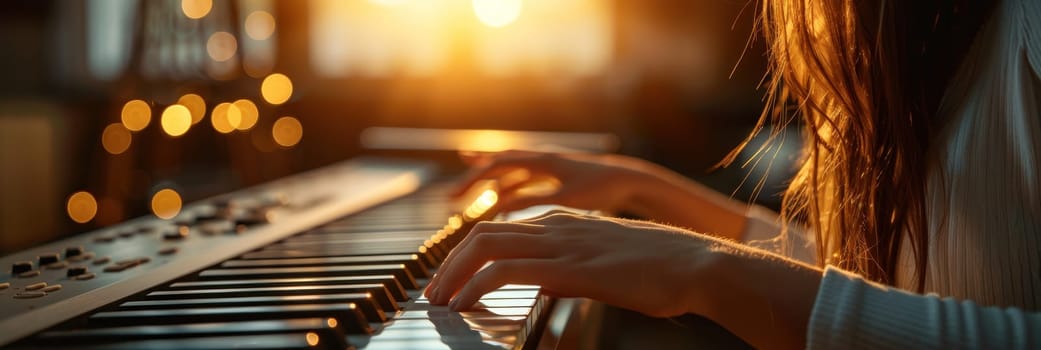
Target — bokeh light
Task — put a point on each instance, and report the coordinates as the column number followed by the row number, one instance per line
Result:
column 248, row 114
column 196, row 9
column 260, row 25
column 497, row 13
column 116, row 138
column 312, row 338
column 225, row 117
column 166, row 203
column 196, row 105
column 81, row 207
column 136, row 115
column 287, row 131
column 176, row 120
column 221, row 46
column 276, row 89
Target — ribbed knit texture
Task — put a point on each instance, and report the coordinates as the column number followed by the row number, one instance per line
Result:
column 851, row 313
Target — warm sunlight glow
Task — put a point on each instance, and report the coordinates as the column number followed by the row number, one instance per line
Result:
column 497, row 13
column 81, row 207
column 221, row 46
column 481, row 205
column 487, row 141
column 276, row 89
column 225, row 117
column 116, row 138
column 195, row 104
column 248, row 114
column 136, row 115
column 176, row 120
column 260, row 25
column 287, row 131
column 196, row 9
column 166, row 204
column 312, row 338
column 387, row 2
column 455, row 222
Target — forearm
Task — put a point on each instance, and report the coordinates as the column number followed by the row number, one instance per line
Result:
column 665, row 196
column 763, row 298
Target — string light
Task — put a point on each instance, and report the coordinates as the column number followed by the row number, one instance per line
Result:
column 196, row 105
column 196, row 9
column 136, row 115
column 176, row 120
column 276, row 88
column 225, row 117
column 166, row 203
column 260, row 25
column 287, row 131
column 248, row 114
column 221, row 46
column 81, row 207
column 116, row 138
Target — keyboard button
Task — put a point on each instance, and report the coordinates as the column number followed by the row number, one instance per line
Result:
column 36, row 286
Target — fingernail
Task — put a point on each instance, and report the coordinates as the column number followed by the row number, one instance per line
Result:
column 434, row 294
column 454, row 305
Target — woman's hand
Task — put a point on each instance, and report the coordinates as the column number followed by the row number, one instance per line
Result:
column 586, row 181
column 609, row 183
column 636, row 265
column 655, row 269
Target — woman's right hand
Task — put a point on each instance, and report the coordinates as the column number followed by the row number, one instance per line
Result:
column 584, row 181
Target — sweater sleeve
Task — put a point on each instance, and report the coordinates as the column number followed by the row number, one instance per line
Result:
column 852, row 313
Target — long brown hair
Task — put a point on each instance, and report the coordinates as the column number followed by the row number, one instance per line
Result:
column 865, row 77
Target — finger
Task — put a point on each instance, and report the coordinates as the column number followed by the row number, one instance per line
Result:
column 549, row 273
column 486, row 247
column 502, row 164
column 482, row 227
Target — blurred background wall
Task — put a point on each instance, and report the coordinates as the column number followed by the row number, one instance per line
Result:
column 103, row 103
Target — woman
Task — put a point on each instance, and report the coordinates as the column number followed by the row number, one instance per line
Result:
column 919, row 182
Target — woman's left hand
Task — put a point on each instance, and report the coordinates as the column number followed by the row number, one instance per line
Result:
column 636, row 265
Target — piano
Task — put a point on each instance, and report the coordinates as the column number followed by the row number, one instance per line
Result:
column 334, row 258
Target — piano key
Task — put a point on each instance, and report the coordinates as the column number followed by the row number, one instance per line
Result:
column 378, row 293
column 340, row 251
column 364, row 301
column 388, row 281
column 255, row 342
column 411, row 261
column 503, row 313
column 398, row 270
column 329, row 235
column 325, row 328
column 349, row 318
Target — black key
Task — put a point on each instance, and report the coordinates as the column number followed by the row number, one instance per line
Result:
column 378, row 291
column 325, row 328
column 388, row 281
column 412, row 262
column 364, row 302
column 399, row 271
column 348, row 317
column 254, row 342
column 326, row 237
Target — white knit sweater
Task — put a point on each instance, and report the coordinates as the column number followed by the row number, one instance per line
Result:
column 984, row 269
